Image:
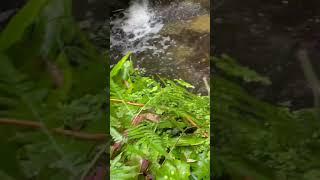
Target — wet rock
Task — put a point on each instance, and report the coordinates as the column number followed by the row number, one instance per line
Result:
column 180, row 11
column 200, row 24
column 204, row 3
column 181, row 53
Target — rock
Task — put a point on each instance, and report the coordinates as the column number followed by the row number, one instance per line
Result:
column 182, row 53
column 200, row 24
column 204, row 3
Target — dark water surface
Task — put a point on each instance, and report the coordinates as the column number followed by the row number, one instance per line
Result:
column 265, row 36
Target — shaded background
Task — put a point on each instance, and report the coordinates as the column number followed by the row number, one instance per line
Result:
column 265, row 36
column 264, row 132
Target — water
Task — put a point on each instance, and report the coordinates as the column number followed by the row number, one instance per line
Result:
column 137, row 26
column 266, row 36
column 163, row 40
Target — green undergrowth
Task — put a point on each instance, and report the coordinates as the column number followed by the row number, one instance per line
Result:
column 257, row 140
column 165, row 135
column 50, row 75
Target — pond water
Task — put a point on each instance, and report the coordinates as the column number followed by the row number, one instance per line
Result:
column 170, row 39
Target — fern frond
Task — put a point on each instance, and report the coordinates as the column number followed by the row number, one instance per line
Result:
column 143, row 134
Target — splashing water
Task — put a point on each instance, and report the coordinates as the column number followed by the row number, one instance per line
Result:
column 133, row 31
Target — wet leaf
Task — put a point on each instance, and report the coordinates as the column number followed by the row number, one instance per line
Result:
column 147, row 116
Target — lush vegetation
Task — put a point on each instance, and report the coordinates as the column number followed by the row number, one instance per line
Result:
column 159, row 128
column 52, row 96
column 256, row 140
column 53, row 114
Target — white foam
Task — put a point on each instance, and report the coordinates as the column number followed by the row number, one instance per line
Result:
column 136, row 28
column 141, row 21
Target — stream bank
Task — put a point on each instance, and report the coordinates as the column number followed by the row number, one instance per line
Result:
column 168, row 38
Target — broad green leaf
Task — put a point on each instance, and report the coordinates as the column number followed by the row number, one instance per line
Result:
column 115, row 70
column 56, row 25
column 14, row 31
column 183, row 83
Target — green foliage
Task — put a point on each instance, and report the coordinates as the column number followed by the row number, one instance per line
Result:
column 18, row 25
column 231, row 68
column 257, row 139
column 121, row 171
column 169, row 127
column 47, row 69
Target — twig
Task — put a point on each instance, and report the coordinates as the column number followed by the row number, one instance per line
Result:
column 310, row 76
column 94, row 161
column 206, row 84
column 174, row 145
column 81, row 135
column 117, row 10
column 37, row 125
column 130, row 103
column 189, row 119
column 192, row 122
column 309, row 72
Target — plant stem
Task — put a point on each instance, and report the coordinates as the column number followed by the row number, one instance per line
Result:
column 60, row 131
column 130, row 103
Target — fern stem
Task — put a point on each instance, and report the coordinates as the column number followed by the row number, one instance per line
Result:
column 126, row 102
column 150, row 100
column 171, row 149
column 37, row 125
